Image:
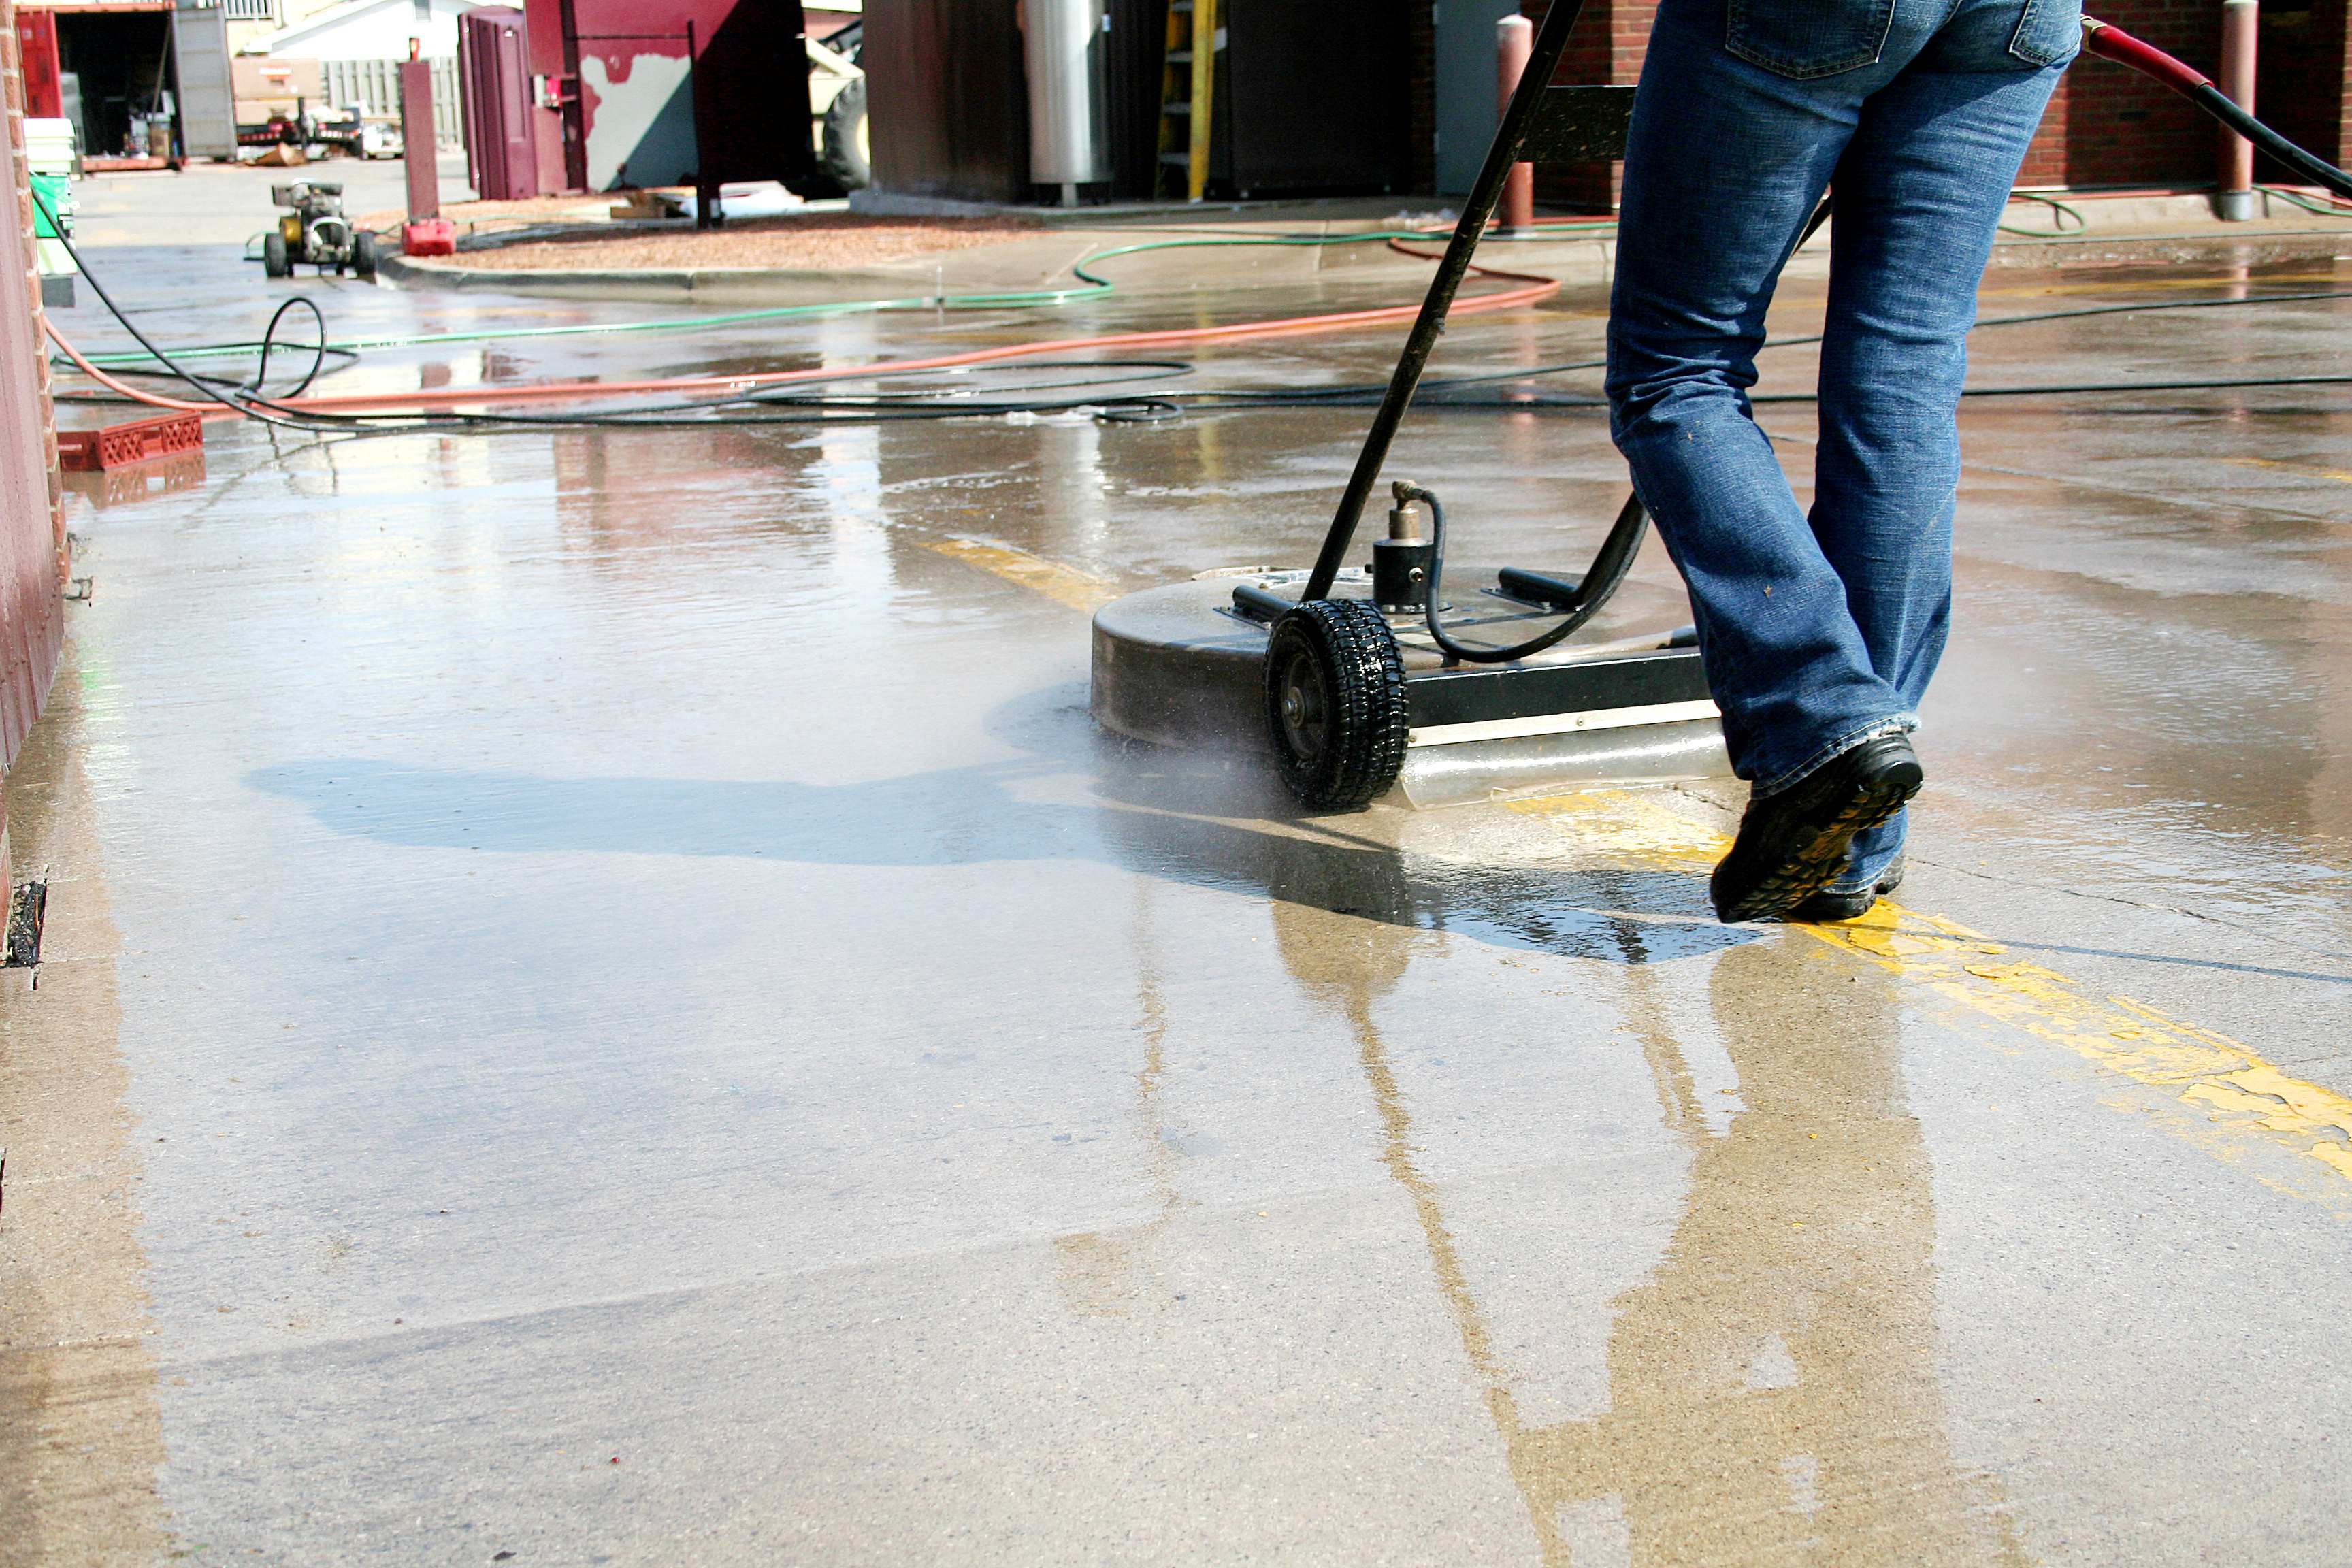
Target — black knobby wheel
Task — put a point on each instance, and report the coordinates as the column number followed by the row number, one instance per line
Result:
column 1334, row 703
column 274, row 258
column 364, row 254
column 848, row 153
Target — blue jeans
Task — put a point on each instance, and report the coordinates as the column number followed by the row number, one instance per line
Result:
column 1818, row 631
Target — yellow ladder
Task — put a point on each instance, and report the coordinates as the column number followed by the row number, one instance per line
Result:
column 1187, row 93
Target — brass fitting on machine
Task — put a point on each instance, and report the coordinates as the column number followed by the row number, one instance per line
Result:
column 1403, row 562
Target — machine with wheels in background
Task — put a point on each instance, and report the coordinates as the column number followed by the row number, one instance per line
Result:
column 315, row 233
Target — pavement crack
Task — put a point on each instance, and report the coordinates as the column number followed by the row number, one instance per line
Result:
column 2139, row 904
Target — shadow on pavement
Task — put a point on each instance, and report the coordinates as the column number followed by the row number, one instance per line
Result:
column 1200, row 821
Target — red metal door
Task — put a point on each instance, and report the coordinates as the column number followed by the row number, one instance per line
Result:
column 494, row 89
column 639, row 111
column 37, row 41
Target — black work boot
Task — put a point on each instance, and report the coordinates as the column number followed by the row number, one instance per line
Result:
column 1836, row 904
column 1793, row 842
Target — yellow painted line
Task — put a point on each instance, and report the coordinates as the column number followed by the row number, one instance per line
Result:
column 1063, row 584
column 2198, row 1085
column 2341, row 476
column 2151, row 284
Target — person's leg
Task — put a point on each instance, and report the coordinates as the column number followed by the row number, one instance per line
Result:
column 1819, row 635
column 1919, row 190
column 1725, row 161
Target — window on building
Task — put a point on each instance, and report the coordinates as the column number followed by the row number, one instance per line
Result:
column 250, row 10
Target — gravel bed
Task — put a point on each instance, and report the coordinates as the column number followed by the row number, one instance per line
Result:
column 824, row 242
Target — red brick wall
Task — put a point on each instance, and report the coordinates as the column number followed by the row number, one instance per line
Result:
column 32, row 539
column 2107, row 126
column 2113, row 127
column 1605, row 50
column 2123, row 129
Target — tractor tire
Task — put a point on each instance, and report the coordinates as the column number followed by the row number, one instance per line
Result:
column 848, row 154
column 1334, row 703
column 274, row 260
column 364, row 255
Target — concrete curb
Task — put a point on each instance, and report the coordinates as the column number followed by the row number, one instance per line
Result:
column 706, row 286
column 2186, row 232
column 1033, row 263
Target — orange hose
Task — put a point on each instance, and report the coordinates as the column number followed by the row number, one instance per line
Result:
column 1534, row 289
column 152, row 399
column 579, row 389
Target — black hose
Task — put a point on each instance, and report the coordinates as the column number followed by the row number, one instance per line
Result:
column 2313, row 167
column 1600, row 585
column 1134, row 408
column 269, row 338
column 237, row 399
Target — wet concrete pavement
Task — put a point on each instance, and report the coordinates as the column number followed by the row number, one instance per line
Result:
column 604, row 1003
column 225, row 204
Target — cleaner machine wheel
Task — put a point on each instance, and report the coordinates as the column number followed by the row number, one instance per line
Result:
column 1354, row 676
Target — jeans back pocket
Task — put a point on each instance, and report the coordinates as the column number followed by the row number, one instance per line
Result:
column 2048, row 33
column 1803, row 38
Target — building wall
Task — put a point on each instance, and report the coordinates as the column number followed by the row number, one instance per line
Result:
column 32, row 535
column 379, row 32
column 1605, row 50
column 255, row 20
column 2107, row 127
column 2114, row 126
column 946, row 95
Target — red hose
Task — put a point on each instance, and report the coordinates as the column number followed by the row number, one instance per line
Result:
column 2111, row 42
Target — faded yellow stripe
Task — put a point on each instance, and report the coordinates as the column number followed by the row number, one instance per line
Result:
column 2341, row 476
column 1063, row 584
column 2150, row 284
column 2204, row 1087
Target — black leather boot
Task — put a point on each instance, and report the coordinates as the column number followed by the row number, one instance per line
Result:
column 1793, row 843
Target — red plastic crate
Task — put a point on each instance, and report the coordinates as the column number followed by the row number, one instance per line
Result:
column 141, row 441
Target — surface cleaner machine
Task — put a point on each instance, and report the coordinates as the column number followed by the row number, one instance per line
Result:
column 1367, row 678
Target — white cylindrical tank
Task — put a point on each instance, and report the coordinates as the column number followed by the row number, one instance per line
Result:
column 1063, row 40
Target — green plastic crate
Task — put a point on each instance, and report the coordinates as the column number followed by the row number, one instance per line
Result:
column 56, row 194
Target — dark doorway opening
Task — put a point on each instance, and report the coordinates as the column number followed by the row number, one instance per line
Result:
column 121, row 64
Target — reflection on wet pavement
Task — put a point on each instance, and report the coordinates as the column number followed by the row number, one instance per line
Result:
column 1771, row 1394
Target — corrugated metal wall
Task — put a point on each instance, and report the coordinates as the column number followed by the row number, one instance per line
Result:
column 948, row 95
column 377, row 84
column 32, row 613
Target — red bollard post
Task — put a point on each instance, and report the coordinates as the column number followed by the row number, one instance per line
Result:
column 427, row 233
column 1515, row 40
column 2240, row 30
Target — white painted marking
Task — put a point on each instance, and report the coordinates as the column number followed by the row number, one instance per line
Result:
column 1561, row 724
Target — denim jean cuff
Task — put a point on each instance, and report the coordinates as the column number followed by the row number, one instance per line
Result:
column 1859, row 879
column 1899, row 724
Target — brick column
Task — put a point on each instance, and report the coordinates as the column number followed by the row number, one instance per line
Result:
column 11, row 70
column 2045, row 160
